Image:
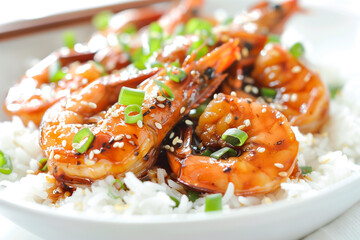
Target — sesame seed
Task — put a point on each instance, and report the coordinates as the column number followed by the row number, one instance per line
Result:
column 63, row 143
column 215, row 96
column 120, row 145
column 172, row 134
column 245, row 52
column 248, row 88
column 96, row 151
column 261, row 149
column 241, row 127
column 160, row 98
column 57, row 156
column 84, row 103
column 282, row 174
column 194, row 73
column 116, row 144
column 278, row 165
column 263, row 110
column 175, row 140
column 172, row 149
column 92, row 105
column 84, row 81
column 119, row 137
column 167, row 147
column 285, row 97
column 91, row 155
column 233, row 94
column 182, row 110
column 89, row 162
column 294, row 97
column 188, row 122
column 128, row 136
column 249, row 80
column 307, row 77
column 114, row 114
column 51, row 155
column 255, row 90
column 180, row 141
column 247, row 122
column 237, row 54
column 152, row 115
column 160, row 105
column 296, row 69
column 139, row 123
column 158, row 125
column 132, row 142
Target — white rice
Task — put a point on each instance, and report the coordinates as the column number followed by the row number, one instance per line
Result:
column 332, row 155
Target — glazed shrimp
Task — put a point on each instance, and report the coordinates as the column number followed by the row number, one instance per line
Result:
column 300, row 94
column 119, row 147
column 265, row 160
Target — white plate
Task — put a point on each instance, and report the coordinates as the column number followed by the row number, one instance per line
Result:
column 330, row 39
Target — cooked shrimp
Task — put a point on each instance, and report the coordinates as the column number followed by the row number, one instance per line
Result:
column 119, row 147
column 265, row 160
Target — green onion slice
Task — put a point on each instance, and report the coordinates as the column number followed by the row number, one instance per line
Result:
column 219, row 153
column 55, row 72
column 155, row 37
column 110, row 192
column 305, row 169
column 175, row 201
column 207, row 152
column 200, row 52
column 235, row 137
column 213, row 202
column 196, row 113
column 334, row 90
column 297, row 50
column 43, row 162
column 130, row 96
column 84, row 138
column 268, row 92
column 192, row 195
column 176, row 74
column 69, row 39
column 179, row 29
column 130, row 29
column 273, row 39
column 168, row 93
column 5, row 163
column 131, row 118
column 101, row 20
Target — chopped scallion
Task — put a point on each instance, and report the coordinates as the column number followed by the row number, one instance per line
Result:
column 83, row 139
column 273, row 39
column 196, row 113
column 168, row 93
column 226, row 150
column 334, row 90
column 234, row 136
column 297, row 50
column 213, row 202
column 207, row 152
column 268, row 92
column 155, row 38
column 131, row 118
column 175, row 201
column 55, row 72
column 130, row 29
column 110, row 192
column 102, row 19
column 130, row 96
column 43, row 163
column 176, row 74
column 305, row 169
column 69, row 39
column 200, row 52
column 192, row 195
column 5, row 163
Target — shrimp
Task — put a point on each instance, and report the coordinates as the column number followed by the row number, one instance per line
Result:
column 119, row 147
column 300, row 94
column 34, row 94
column 265, row 160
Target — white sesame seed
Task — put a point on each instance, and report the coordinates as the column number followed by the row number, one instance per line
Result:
column 233, row 93
column 57, row 156
column 294, row 97
column 172, row 134
column 160, row 105
column 120, row 145
column 96, row 151
column 167, row 147
column 263, row 110
column 182, row 110
column 245, row 52
column 51, row 155
column 307, row 77
column 158, row 125
column 172, row 149
column 247, row 122
column 255, row 90
column 89, row 162
column 175, row 140
column 139, row 123
column 278, row 165
column 285, row 97
column 296, row 69
column 114, row 114
column 283, row 174
column 188, row 122
column 215, row 96
column 132, row 142
column 241, row 127
column 92, row 105
column 128, row 136
column 160, row 98
column 180, row 141
column 116, row 144
column 84, row 103
column 248, row 88
column 91, row 155
column 152, row 115
column 63, row 143
column 261, row 149
column 119, row 137
column 84, row 81
column 75, row 145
